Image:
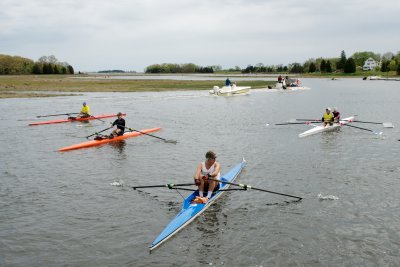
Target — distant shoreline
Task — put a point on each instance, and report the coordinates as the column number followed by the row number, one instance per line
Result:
column 27, row 86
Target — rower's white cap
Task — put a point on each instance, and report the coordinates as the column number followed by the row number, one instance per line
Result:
column 328, row 108
column 335, row 109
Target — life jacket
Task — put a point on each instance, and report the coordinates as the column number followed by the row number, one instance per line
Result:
column 85, row 110
column 328, row 117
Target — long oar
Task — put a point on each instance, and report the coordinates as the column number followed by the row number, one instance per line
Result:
column 365, row 129
column 312, row 120
column 57, row 115
column 170, row 186
column 165, row 140
column 245, row 186
column 99, row 132
column 289, row 123
column 385, row 124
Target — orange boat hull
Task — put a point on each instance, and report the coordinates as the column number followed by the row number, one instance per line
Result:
column 105, row 141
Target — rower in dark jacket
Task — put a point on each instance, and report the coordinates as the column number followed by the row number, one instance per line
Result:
column 120, row 123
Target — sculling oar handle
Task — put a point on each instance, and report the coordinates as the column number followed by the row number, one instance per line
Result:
column 99, row 132
column 245, row 186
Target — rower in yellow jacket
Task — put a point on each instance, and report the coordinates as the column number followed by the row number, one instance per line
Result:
column 327, row 118
column 85, row 111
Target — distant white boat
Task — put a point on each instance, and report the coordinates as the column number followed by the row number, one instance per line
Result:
column 292, row 88
column 374, row 77
column 230, row 90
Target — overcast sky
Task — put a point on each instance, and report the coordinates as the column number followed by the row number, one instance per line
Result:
column 94, row 35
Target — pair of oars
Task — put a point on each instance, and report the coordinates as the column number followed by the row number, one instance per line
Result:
column 243, row 186
column 384, row 124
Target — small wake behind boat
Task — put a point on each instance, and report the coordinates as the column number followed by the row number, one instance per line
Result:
column 321, row 128
column 230, row 90
column 101, row 141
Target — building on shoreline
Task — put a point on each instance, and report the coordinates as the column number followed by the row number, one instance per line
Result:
column 370, row 64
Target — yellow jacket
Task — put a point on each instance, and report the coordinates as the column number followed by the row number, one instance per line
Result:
column 328, row 117
column 85, row 109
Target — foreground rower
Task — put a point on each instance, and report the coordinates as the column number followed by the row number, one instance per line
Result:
column 209, row 169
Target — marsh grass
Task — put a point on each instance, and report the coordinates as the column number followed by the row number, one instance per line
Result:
column 23, row 85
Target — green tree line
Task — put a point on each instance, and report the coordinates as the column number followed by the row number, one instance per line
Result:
column 178, row 68
column 341, row 64
column 386, row 62
column 15, row 65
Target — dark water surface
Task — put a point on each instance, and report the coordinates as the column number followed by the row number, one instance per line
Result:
column 60, row 209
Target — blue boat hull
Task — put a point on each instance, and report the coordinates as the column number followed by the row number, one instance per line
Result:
column 190, row 210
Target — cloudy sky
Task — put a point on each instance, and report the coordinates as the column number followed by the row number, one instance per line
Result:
column 94, row 35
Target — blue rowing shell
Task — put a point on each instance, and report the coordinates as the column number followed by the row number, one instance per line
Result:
column 190, row 210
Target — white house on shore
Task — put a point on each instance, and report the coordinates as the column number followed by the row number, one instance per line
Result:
column 370, row 64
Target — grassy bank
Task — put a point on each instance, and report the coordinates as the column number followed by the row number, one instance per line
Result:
column 30, row 95
column 18, row 86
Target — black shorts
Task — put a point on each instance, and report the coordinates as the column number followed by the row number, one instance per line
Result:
column 120, row 133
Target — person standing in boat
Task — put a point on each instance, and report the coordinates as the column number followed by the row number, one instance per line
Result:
column 336, row 114
column 206, row 171
column 228, row 82
column 327, row 118
column 85, row 111
column 120, row 123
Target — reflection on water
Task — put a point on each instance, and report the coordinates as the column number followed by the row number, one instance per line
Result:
column 119, row 145
column 210, row 232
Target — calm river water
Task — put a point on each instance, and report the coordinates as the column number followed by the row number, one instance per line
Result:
column 61, row 209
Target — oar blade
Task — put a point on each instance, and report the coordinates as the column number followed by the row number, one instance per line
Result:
column 388, row 125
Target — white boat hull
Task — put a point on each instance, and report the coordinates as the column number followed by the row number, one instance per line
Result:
column 230, row 90
column 321, row 128
column 290, row 88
